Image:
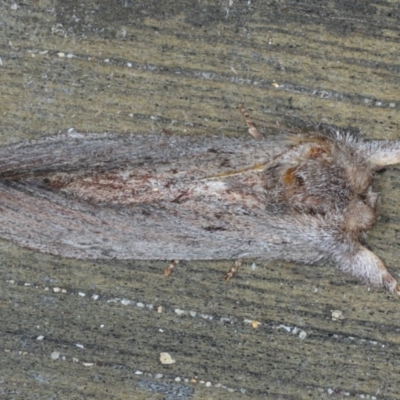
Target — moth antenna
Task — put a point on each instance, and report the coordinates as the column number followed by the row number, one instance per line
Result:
column 250, row 123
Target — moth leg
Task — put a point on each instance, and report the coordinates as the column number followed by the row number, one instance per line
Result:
column 234, row 268
column 168, row 271
column 381, row 153
column 368, row 267
column 250, row 123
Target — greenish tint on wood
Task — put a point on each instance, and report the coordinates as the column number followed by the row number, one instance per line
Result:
column 182, row 67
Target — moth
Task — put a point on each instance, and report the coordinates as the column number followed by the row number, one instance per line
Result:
column 303, row 197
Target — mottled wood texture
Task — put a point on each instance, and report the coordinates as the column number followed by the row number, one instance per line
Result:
column 183, row 67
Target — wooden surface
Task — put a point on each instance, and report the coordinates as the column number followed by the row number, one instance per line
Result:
column 183, row 66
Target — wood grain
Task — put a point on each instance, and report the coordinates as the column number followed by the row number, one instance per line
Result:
column 181, row 66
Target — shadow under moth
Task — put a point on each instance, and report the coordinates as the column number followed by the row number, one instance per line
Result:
column 298, row 197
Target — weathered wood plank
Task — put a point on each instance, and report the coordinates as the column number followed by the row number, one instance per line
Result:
column 133, row 66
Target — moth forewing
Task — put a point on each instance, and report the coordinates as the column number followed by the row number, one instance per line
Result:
column 305, row 198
